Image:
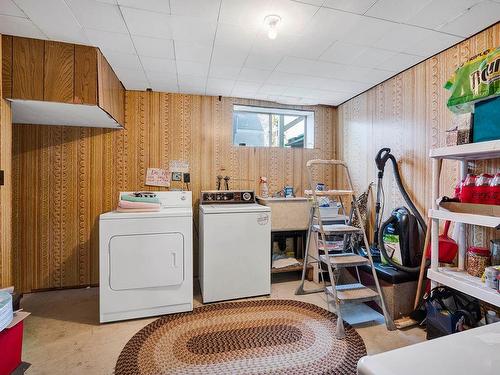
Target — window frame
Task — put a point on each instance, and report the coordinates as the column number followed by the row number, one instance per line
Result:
column 307, row 115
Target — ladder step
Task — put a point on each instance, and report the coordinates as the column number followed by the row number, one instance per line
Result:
column 354, row 293
column 337, row 229
column 345, row 260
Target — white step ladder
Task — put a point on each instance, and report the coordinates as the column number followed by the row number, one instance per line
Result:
column 339, row 293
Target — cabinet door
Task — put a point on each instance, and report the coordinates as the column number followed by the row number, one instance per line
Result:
column 58, row 72
column 27, row 72
column 85, row 75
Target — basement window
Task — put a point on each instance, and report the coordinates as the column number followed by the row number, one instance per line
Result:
column 272, row 127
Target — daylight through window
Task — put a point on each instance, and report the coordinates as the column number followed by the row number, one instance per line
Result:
column 272, row 127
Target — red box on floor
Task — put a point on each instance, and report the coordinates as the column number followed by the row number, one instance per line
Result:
column 11, row 345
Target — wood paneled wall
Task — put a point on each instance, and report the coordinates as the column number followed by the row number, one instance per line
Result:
column 6, row 188
column 64, row 177
column 408, row 113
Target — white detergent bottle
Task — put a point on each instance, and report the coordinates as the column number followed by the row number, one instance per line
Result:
column 264, row 188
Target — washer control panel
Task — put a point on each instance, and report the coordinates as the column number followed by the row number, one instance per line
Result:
column 227, row 196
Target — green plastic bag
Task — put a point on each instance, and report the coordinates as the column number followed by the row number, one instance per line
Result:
column 475, row 80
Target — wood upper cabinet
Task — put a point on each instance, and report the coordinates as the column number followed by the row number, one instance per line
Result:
column 85, row 91
column 58, row 75
column 27, row 68
column 59, row 72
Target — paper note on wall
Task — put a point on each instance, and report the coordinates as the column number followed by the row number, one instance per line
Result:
column 157, row 177
column 179, row 166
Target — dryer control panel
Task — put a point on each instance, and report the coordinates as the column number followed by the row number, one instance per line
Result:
column 227, row 196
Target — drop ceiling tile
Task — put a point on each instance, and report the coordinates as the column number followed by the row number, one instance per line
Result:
column 310, row 47
column 296, row 65
column 122, row 60
column 65, row 29
column 341, row 52
column 218, row 92
column 228, row 55
column 132, row 79
column 476, row 19
column 146, row 23
column 164, row 77
column 192, row 29
column 224, row 71
column 192, row 68
column 400, row 37
column 191, row 80
column 263, row 61
column 189, row 51
column 244, row 12
column 254, row 75
column 374, row 76
column 246, row 86
column 331, row 23
column 154, row 47
column 99, row 16
column 9, row 8
column 396, row 10
column 294, row 15
column 282, row 44
column 113, row 2
column 370, row 57
column 217, row 86
column 271, row 89
column 439, row 12
column 281, row 78
column 433, row 43
column 354, row 6
column 400, row 62
column 367, row 31
column 161, row 6
column 235, row 35
column 208, row 9
column 153, row 64
column 20, row 27
column 116, row 42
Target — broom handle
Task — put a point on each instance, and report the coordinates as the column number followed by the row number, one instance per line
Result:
column 422, row 264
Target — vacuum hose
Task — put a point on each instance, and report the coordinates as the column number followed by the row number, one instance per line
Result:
column 381, row 159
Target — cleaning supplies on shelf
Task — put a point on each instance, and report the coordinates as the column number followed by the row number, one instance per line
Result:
column 482, row 189
column 264, row 188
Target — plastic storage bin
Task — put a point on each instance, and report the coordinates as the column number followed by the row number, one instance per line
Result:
column 487, row 120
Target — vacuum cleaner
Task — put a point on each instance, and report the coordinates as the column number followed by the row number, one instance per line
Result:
column 399, row 239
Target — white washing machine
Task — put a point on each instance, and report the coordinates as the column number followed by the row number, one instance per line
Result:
column 146, row 260
column 235, row 246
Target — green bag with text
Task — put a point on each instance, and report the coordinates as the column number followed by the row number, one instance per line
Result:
column 475, row 80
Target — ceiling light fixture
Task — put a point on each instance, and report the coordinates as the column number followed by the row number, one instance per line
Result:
column 272, row 22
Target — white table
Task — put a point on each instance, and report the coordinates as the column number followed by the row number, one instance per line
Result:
column 476, row 351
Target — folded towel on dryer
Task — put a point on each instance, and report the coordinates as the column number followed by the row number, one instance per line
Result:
column 119, row 209
column 138, row 205
column 131, row 198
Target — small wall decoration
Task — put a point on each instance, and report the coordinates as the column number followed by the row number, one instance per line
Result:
column 157, row 177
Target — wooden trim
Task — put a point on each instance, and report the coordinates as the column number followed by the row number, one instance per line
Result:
column 6, row 195
column 6, row 66
column 111, row 93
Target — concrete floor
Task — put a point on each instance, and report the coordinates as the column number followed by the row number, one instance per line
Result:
column 63, row 334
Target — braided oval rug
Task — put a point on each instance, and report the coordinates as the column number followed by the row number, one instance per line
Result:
column 250, row 337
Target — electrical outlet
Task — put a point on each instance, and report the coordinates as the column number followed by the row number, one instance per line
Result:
column 186, row 177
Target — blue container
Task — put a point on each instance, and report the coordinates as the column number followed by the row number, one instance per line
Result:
column 487, row 120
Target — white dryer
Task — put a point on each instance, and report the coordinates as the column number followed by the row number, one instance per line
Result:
column 146, row 260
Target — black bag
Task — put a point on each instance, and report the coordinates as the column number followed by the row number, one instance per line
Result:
column 450, row 311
